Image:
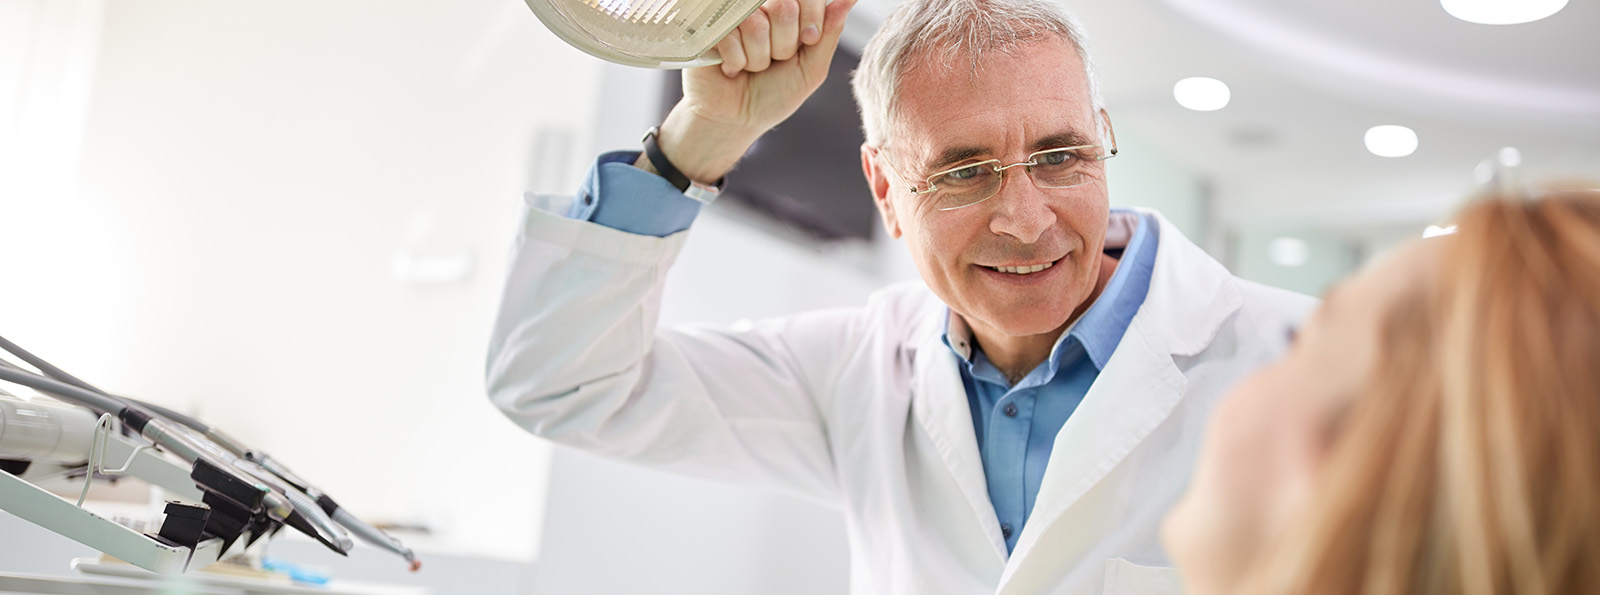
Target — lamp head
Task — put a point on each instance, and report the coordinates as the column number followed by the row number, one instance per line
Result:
column 645, row 33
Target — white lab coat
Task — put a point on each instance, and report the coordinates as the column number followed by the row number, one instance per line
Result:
column 865, row 408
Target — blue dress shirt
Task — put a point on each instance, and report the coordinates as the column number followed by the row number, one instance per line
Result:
column 1016, row 425
column 636, row 201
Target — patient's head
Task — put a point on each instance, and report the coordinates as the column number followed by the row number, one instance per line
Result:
column 1434, row 429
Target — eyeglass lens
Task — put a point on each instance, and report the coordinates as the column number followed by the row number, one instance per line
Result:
column 974, row 183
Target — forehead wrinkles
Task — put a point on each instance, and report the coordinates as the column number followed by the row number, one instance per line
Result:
column 950, row 128
column 941, row 59
column 939, row 56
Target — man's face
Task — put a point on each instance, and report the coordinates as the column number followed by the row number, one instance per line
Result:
column 1035, row 97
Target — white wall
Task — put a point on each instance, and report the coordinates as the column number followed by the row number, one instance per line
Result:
column 1328, row 258
column 1144, row 175
column 248, row 175
column 52, row 241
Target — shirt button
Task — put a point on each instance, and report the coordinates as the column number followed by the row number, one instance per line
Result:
column 588, row 199
column 1011, row 409
column 1005, row 530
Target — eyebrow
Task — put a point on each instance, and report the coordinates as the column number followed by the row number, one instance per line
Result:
column 954, row 155
column 957, row 154
column 1063, row 139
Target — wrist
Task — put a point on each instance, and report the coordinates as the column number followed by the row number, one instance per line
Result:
column 703, row 150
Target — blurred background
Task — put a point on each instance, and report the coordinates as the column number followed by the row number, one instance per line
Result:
column 290, row 219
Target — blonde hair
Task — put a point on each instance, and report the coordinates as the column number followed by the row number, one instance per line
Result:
column 1471, row 464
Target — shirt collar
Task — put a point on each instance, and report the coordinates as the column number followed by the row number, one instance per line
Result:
column 1101, row 327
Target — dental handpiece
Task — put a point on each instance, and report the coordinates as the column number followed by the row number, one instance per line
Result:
column 368, row 533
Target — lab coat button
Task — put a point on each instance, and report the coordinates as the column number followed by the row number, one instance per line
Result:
column 1005, row 530
column 1011, row 410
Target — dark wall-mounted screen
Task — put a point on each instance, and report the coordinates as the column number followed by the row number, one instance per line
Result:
column 806, row 173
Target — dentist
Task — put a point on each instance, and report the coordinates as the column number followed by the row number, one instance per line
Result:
column 1018, row 422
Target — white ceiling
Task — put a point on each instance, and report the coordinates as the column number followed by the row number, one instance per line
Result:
column 1309, row 77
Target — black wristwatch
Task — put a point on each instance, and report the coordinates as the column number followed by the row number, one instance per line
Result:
column 689, row 188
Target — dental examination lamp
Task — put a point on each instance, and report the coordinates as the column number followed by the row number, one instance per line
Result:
column 645, row 33
column 226, row 492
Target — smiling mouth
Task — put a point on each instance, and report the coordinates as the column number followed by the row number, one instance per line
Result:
column 1023, row 270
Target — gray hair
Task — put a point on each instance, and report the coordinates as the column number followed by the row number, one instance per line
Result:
column 956, row 27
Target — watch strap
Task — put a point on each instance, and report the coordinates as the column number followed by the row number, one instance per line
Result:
column 652, row 151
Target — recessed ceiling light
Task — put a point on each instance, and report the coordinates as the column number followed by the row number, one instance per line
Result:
column 1502, row 12
column 1390, row 140
column 1484, row 172
column 1201, row 94
column 1288, row 252
column 1434, row 231
column 1509, row 157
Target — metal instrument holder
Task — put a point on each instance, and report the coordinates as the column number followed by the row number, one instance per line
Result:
column 40, row 507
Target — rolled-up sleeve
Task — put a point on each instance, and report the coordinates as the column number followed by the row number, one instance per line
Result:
column 623, row 197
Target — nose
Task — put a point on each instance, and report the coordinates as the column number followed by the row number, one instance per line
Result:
column 1021, row 209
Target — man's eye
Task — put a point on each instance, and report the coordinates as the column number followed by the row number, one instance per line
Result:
column 965, row 173
column 1055, row 158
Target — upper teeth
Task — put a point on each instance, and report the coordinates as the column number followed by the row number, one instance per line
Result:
column 1025, row 270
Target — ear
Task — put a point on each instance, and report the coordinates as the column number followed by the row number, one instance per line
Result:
column 1107, row 133
column 878, row 182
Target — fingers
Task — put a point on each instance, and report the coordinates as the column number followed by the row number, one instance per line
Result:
column 777, row 31
column 756, row 34
column 731, row 48
column 818, row 57
column 784, row 16
column 811, row 14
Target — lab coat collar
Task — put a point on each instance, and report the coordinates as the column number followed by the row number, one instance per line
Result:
column 939, row 404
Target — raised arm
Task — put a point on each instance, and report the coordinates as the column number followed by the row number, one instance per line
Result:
column 575, row 355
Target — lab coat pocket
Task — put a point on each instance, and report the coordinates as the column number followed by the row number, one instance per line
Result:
column 1126, row 578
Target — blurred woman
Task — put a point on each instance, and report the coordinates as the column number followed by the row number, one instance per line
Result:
column 1434, row 429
